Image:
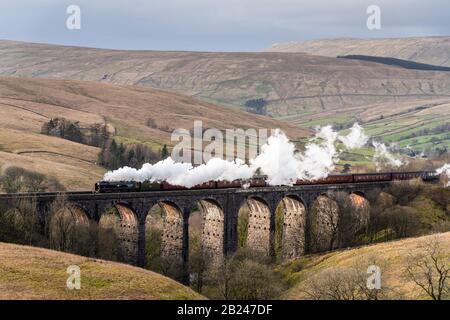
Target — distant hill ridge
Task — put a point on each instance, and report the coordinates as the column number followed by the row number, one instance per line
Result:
column 428, row 50
column 292, row 83
column 407, row 64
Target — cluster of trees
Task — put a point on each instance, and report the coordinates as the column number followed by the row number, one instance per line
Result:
column 443, row 128
column 427, row 268
column 62, row 228
column 114, row 155
column 437, row 152
column 337, row 222
column 16, row 179
column 258, row 106
column 252, row 275
column 94, row 135
column 344, row 283
column 20, row 224
column 338, row 126
column 151, row 123
column 243, row 275
column 396, row 213
column 407, row 209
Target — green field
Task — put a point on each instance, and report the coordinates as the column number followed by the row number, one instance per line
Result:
column 415, row 125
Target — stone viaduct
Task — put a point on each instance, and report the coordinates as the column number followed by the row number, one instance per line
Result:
column 219, row 208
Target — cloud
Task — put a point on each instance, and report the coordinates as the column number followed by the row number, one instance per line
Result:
column 220, row 25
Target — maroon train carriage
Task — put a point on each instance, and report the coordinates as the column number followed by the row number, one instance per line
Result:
column 403, row 176
column 428, row 176
column 167, row 186
column 205, row 185
column 260, row 181
column 406, row 175
column 341, row 178
column 257, row 182
column 372, row 177
column 331, row 179
column 229, row 184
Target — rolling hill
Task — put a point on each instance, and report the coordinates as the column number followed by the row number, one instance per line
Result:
column 294, row 84
column 407, row 64
column 35, row 273
column 26, row 104
column 391, row 257
column 429, row 50
column 415, row 123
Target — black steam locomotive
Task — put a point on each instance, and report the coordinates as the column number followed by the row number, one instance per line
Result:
column 134, row 186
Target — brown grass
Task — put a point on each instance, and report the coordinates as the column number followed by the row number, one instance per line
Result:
column 26, row 104
column 35, row 273
column 392, row 257
column 295, row 83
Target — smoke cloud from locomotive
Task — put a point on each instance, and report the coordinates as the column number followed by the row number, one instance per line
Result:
column 278, row 160
column 356, row 139
column 446, row 171
column 384, row 158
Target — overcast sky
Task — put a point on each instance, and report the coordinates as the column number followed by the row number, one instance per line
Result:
column 215, row 25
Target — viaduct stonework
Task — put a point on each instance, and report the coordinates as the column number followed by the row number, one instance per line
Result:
column 219, row 208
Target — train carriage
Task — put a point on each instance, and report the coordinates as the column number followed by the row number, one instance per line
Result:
column 260, row 181
column 229, row 184
column 372, row 177
column 205, row 185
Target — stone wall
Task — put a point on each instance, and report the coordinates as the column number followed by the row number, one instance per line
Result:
column 213, row 231
column 324, row 222
column 172, row 236
column 128, row 234
column 258, row 237
column 362, row 211
column 293, row 238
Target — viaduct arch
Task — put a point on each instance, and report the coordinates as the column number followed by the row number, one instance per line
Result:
column 220, row 212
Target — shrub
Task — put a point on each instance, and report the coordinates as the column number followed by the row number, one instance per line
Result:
column 16, row 179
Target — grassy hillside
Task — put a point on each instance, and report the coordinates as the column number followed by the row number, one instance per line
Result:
column 294, row 84
column 430, row 50
column 407, row 64
column 34, row 273
column 26, row 104
column 391, row 257
column 400, row 122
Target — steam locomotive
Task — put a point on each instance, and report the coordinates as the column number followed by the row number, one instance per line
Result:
column 134, row 186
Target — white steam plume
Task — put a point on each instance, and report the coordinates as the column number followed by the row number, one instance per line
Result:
column 383, row 157
column 356, row 139
column 319, row 159
column 278, row 160
column 184, row 174
column 445, row 170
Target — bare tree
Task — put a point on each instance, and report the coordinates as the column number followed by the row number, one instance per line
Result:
column 69, row 229
column 61, row 224
column 335, row 284
column 430, row 269
column 405, row 191
column 346, row 283
column 16, row 179
column 325, row 224
column 246, row 275
column 21, row 223
column 108, row 238
column 222, row 277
